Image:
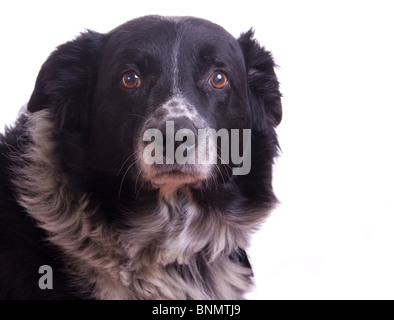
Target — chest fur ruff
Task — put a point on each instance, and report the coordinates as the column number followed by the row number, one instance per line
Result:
column 178, row 250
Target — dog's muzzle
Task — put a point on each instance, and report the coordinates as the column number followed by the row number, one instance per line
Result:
column 170, row 147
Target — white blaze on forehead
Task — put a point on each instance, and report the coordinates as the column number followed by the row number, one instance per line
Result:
column 179, row 106
column 175, row 67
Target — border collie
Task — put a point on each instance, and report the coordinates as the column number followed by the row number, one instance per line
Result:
column 140, row 166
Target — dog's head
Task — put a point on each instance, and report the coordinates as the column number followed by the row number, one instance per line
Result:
column 177, row 98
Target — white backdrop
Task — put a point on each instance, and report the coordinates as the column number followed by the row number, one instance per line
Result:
column 332, row 236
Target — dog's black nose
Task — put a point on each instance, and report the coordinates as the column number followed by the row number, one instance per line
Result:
column 181, row 129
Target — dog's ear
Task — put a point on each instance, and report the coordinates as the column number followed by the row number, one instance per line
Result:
column 264, row 95
column 66, row 80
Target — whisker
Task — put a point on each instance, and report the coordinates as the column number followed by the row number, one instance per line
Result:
column 128, row 158
column 137, row 115
column 136, row 182
column 124, row 176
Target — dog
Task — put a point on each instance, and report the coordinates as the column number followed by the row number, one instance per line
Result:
column 88, row 211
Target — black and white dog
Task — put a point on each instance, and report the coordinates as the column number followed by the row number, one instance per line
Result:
column 101, row 180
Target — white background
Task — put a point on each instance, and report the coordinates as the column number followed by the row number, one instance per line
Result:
column 332, row 236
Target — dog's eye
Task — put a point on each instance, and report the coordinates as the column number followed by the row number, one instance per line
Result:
column 131, row 80
column 218, row 80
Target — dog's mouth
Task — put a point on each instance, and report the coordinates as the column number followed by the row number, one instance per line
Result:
column 176, row 174
column 169, row 170
column 175, row 169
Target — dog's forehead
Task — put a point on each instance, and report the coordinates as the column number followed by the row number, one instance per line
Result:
column 156, row 34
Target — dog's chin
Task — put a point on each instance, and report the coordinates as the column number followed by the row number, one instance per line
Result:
column 176, row 175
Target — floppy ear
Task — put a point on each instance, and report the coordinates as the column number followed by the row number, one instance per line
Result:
column 264, row 95
column 66, row 80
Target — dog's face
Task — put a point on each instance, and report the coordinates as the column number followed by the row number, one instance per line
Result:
column 190, row 73
column 146, row 90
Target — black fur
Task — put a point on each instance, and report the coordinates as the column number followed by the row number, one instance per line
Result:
column 96, row 127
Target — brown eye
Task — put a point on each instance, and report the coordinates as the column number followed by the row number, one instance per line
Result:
column 131, row 80
column 218, row 80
